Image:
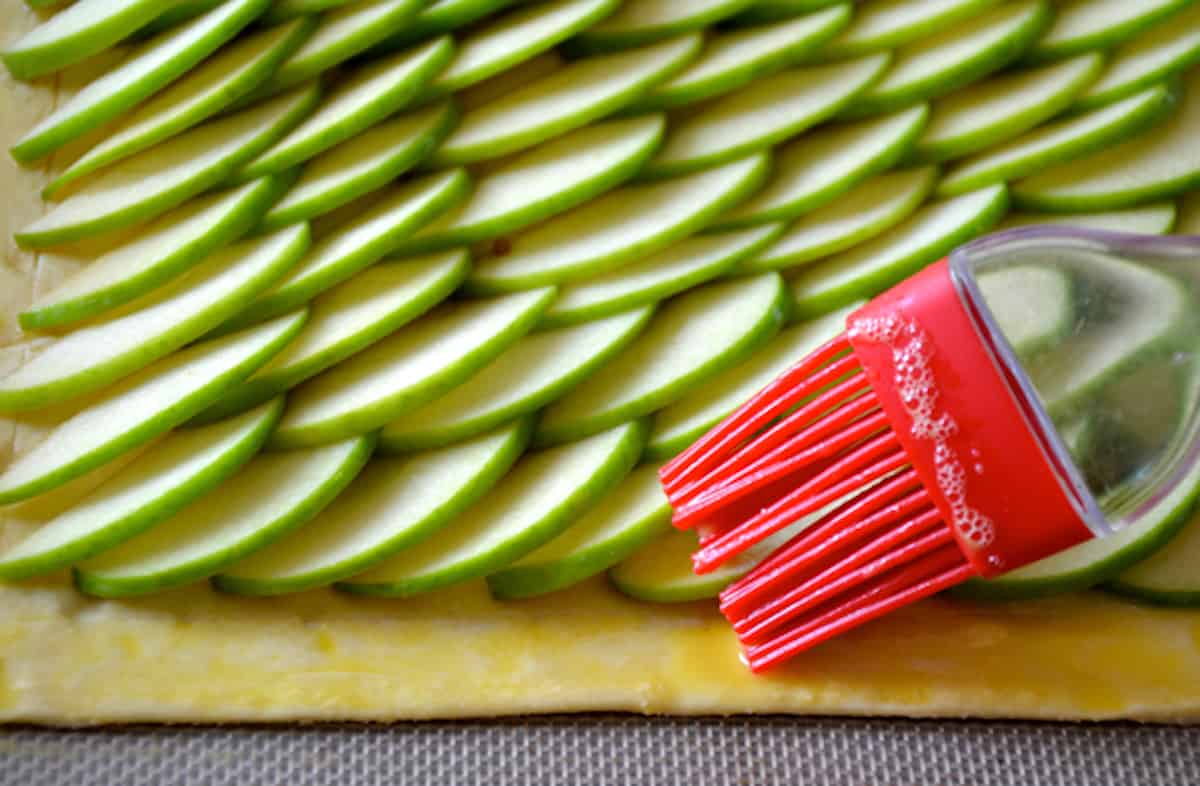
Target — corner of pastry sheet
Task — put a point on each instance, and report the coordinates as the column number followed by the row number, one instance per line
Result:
column 194, row 656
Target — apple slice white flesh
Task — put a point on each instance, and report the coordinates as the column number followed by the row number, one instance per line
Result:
column 536, row 370
column 562, row 101
column 144, row 406
column 1062, row 140
column 1162, row 51
column 149, row 67
column 545, row 180
column 361, row 99
column 661, row 572
column 184, row 466
column 690, row 339
column 684, row 421
column 639, row 22
column 619, row 227
column 347, row 319
column 825, row 163
column 544, row 494
column 363, row 164
column 736, row 57
column 100, row 353
column 956, row 56
column 1003, row 107
column 860, row 214
column 152, row 182
column 75, row 33
column 392, row 504
column 885, row 24
column 362, row 241
column 515, row 37
column 1157, row 219
column 868, row 269
column 1086, row 25
column 625, row 519
column 408, row 369
column 761, row 114
column 164, row 249
column 1158, row 163
column 438, row 17
column 676, row 268
column 198, row 95
column 266, row 499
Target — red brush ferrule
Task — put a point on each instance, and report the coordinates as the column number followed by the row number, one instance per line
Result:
column 967, row 434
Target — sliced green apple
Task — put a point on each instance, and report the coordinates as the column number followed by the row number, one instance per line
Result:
column 101, row 353
column 563, row 100
column 144, row 406
column 152, row 182
column 265, row 500
column 536, row 370
column 282, row 10
column 438, row 17
column 1168, row 576
column 347, row 319
column 661, row 572
column 184, row 466
column 625, row 519
column 1086, row 25
column 76, row 33
column 524, row 73
column 765, row 112
column 1189, row 215
column 177, row 12
column 870, row 268
column 1061, row 140
column 640, row 22
column 1003, row 107
column 762, row 11
column 858, row 215
column 884, row 24
column 825, row 163
column 408, row 369
column 1157, row 219
column 392, row 504
column 691, row 338
column 668, row 272
column 621, row 226
column 544, row 494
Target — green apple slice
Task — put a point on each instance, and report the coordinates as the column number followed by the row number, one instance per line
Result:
column 870, row 268
column 765, row 112
column 152, row 182
column 101, row 353
column 684, row 421
column 1166, row 49
column 282, row 10
column 884, row 24
column 543, row 181
column 1146, row 220
column 1189, row 215
column 164, row 249
column 524, row 73
column 1085, row 25
column 1159, row 163
column 1061, row 140
column 392, row 504
column 625, row 519
column 76, row 33
column 363, row 164
column 1003, row 107
column 676, row 268
column 408, row 369
column 181, row 468
column 362, row 241
column 347, row 319
column 177, row 12
column 144, row 406
column 150, row 67
column 544, row 494
column 762, row 11
column 201, row 93
column 734, row 58
column 621, row 226
column 690, row 339
column 640, row 22
column 441, row 16
column 661, row 572
column 860, row 214
column 265, row 500
column 825, row 163
column 564, row 100
column 515, row 37
column 1169, row 575
column 536, row 370
column 956, row 56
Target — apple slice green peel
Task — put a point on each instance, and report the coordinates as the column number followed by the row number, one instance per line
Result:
column 762, row 11
column 184, row 466
column 544, row 494
column 639, row 22
column 661, row 572
column 393, row 504
column 885, row 24
column 144, row 406
column 75, row 33
column 1156, row 219
column 438, row 17
column 267, row 498
column 1086, row 25
column 283, row 10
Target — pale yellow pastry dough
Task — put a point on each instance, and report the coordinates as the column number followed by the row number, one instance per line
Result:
column 193, row 655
